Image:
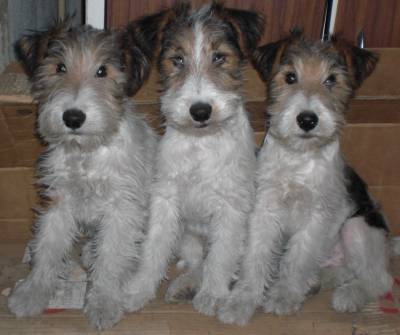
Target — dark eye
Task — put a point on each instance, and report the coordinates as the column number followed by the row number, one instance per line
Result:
column 330, row 81
column 291, row 78
column 218, row 58
column 101, row 72
column 178, row 61
column 61, row 68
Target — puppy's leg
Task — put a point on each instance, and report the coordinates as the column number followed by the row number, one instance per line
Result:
column 185, row 286
column 258, row 267
column 366, row 256
column 53, row 240
column 117, row 244
column 299, row 267
column 226, row 241
column 163, row 235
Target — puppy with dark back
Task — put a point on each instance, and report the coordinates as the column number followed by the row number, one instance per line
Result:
column 313, row 219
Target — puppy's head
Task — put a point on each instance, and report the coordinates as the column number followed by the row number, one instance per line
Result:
column 309, row 85
column 80, row 78
column 200, row 59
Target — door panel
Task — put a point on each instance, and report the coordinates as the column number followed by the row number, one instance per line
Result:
column 380, row 21
column 281, row 15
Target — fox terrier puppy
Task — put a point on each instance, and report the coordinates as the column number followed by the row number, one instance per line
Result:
column 203, row 187
column 98, row 165
column 312, row 210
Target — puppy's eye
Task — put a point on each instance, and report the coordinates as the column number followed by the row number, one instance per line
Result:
column 178, row 61
column 218, row 58
column 101, row 72
column 330, row 81
column 61, row 68
column 291, row 78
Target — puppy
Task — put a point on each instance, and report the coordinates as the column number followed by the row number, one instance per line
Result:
column 203, row 187
column 312, row 210
column 98, row 165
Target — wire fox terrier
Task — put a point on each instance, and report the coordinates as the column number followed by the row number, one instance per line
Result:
column 97, row 168
column 203, row 187
column 312, row 210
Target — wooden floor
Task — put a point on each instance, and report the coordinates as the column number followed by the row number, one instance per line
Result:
column 159, row 318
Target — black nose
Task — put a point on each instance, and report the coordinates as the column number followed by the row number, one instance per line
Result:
column 200, row 111
column 307, row 120
column 74, row 118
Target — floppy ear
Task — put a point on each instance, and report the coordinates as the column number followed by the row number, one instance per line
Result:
column 249, row 25
column 31, row 49
column 269, row 56
column 360, row 63
column 141, row 44
column 28, row 50
column 136, row 62
column 265, row 57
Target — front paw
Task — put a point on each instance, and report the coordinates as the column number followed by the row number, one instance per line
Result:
column 137, row 297
column 205, row 303
column 182, row 289
column 282, row 301
column 349, row 298
column 29, row 299
column 238, row 308
column 103, row 311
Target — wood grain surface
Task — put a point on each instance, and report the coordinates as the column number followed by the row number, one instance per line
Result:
column 379, row 19
column 159, row 318
column 281, row 15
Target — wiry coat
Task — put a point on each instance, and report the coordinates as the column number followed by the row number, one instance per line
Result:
column 313, row 214
column 203, row 188
column 97, row 168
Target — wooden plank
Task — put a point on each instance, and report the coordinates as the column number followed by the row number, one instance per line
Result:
column 281, row 15
column 374, row 151
column 384, row 82
column 117, row 12
column 380, row 21
column 373, row 111
column 388, row 197
column 12, row 230
column 19, row 145
column 20, row 120
column 159, row 318
column 17, row 193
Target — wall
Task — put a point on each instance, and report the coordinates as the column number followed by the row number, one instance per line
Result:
column 18, row 17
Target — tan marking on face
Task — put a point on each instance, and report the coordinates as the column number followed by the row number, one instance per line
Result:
column 82, row 64
column 225, row 75
column 312, row 73
column 181, row 46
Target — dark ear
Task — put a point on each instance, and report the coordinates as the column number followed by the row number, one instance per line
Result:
column 27, row 49
column 250, row 25
column 360, row 63
column 268, row 56
column 265, row 57
column 31, row 49
column 135, row 60
column 141, row 44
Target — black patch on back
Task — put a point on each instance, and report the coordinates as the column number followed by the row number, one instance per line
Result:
column 364, row 204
